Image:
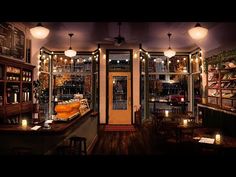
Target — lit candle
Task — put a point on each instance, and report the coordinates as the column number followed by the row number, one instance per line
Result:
column 56, row 99
column 185, row 122
column 27, row 96
column 24, row 96
column 182, row 99
column 217, row 138
column 24, row 123
column 15, row 97
column 166, row 113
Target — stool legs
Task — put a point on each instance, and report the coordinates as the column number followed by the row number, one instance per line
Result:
column 78, row 144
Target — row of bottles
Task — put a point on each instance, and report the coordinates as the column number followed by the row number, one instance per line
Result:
column 26, row 94
column 13, row 94
column 26, row 76
column 13, row 74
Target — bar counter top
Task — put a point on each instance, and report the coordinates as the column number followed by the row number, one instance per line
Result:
column 216, row 108
column 56, row 127
column 45, row 141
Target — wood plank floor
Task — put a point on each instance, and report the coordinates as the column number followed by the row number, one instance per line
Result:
column 146, row 141
column 143, row 141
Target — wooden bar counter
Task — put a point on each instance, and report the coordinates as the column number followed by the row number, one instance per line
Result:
column 215, row 117
column 44, row 141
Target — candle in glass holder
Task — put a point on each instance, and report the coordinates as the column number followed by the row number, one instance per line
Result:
column 185, row 122
column 217, row 138
column 24, row 123
column 166, row 113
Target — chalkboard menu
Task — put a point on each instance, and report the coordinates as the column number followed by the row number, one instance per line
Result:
column 12, row 41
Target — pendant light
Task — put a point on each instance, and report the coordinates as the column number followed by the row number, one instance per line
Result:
column 198, row 32
column 169, row 52
column 70, row 52
column 39, row 32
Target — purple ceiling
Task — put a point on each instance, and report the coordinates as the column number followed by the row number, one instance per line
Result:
column 152, row 35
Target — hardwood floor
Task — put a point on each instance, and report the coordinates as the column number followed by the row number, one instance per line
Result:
column 148, row 141
column 142, row 142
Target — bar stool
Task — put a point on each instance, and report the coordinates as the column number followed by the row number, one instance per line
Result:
column 78, row 144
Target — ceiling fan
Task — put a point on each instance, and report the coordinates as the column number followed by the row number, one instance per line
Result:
column 118, row 40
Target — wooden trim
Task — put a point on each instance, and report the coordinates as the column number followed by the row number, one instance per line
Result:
column 15, row 63
column 132, row 97
column 107, row 79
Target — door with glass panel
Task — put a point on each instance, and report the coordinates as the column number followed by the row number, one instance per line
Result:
column 119, row 98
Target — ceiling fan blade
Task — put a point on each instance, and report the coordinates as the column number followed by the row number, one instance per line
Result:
column 109, row 39
column 104, row 42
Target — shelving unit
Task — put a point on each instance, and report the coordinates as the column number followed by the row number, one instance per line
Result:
column 221, row 80
column 16, row 91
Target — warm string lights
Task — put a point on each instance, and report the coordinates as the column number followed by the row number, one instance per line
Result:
column 144, row 55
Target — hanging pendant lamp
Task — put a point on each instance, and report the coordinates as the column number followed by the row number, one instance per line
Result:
column 198, row 32
column 39, row 32
column 169, row 52
column 70, row 52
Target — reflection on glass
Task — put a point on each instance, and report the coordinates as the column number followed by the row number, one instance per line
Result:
column 196, row 63
column 178, row 64
column 158, row 64
column 119, row 61
column 167, row 94
column 72, row 76
column 119, row 92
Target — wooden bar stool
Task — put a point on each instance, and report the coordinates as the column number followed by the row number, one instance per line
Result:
column 78, row 144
